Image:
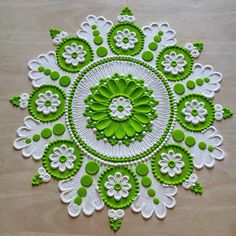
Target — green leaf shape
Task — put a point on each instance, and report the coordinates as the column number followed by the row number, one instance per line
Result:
column 15, row 101
column 128, row 127
column 115, row 224
column 126, row 11
column 199, row 46
column 197, row 188
column 227, row 113
column 36, row 180
column 53, row 32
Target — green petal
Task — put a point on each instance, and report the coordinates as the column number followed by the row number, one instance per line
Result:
column 112, row 86
column 128, row 129
column 105, row 91
column 142, row 100
column 100, row 98
column 130, row 87
column 122, row 85
column 136, row 125
column 119, row 132
column 143, row 108
column 102, row 124
column 98, row 115
column 137, row 93
column 142, row 117
column 97, row 106
column 109, row 131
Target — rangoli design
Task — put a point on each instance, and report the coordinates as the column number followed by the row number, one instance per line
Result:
column 121, row 116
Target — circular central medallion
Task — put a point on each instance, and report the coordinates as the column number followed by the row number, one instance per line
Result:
column 120, row 110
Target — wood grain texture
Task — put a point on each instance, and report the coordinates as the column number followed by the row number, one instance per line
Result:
column 24, row 34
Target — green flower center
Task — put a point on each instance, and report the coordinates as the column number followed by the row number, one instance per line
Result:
column 74, row 55
column 48, row 103
column 117, row 186
column 62, row 159
column 125, row 40
column 171, row 163
column 174, row 63
column 120, row 108
column 194, row 112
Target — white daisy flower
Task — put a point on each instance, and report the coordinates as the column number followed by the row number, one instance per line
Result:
column 74, row 54
column 171, row 163
column 174, row 63
column 62, row 158
column 120, row 107
column 118, row 186
column 194, row 112
column 125, row 39
column 47, row 102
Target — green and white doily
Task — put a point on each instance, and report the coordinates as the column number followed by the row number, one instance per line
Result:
column 121, row 116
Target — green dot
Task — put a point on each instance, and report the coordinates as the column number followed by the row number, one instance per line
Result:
column 147, row 56
column 96, row 32
column 156, row 201
column 160, row 33
column 190, row 84
column 92, row 167
column 202, row 145
column 194, row 112
column 178, row 135
column 94, row 27
column 82, row 192
column 47, row 103
column 78, row 200
column 171, row 163
column 59, row 129
column 179, row 88
column 206, row 79
column 125, row 40
column 151, row 192
column 86, row 180
column 98, row 40
column 74, row 55
column 36, row 137
column 28, row 140
column 101, row 51
column 210, row 148
column 40, row 68
column 146, row 181
column 142, row 169
column 64, row 81
column 174, row 63
column 153, row 46
column 190, row 141
column 46, row 133
column 47, row 71
column 117, row 186
column 157, row 38
column 54, row 75
column 199, row 82
column 62, row 159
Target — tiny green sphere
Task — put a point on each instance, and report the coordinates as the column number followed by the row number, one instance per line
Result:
column 146, row 181
column 94, row 26
column 62, row 159
column 54, row 75
column 74, row 55
column 142, row 169
column 199, row 82
column 156, row 201
column 160, row 33
column 65, row 81
column 174, row 63
column 153, row 46
column 28, row 140
column 147, row 56
column 92, row 167
column 40, row 68
column 59, row 129
column 206, row 79
column 151, row 192
column 101, row 51
column 86, row 180
column 82, row 192
column 202, row 145
column 171, row 163
column 190, row 84
column 47, row 71
column 96, row 32
column 157, row 38
column 46, row 133
column 98, row 40
column 179, row 88
column 36, row 137
column 190, row 141
column 178, row 135
column 78, row 200
column 210, row 148
column 117, row 186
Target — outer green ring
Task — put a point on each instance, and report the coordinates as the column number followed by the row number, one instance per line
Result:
column 70, row 68
column 55, row 172
column 121, row 26
column 102, row 157
column 187, row 69
column 110, row 201
column 177, row 179
column 52, row 116
column 209, row 118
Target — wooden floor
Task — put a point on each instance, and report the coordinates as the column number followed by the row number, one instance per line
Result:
column 24, row 34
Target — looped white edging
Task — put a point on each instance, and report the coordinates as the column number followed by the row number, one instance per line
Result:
column 116, row 214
